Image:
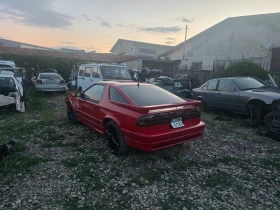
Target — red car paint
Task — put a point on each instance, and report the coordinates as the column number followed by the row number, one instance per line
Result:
column 150, row 138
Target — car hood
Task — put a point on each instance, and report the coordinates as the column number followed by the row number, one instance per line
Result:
column 273, row 92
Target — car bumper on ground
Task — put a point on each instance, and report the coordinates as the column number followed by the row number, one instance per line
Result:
column 51, row 89
column 150, row 143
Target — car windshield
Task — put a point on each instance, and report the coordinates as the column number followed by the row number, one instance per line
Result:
column 50, row 76
column 114, row 72
column 6, row 82
column 150, row 95
column 248, row 83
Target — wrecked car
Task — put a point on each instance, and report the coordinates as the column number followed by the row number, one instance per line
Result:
column 50, row 82
column 246, row 95
column 11, row 91
column 179, row 87
column 139, row 115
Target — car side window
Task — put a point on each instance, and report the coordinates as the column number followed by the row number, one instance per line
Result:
column 212, row 85
column 225, row 85
column 94, row 93
column 205, row 86
column 95, row 72
column 81, row 72
column 116, row 96
column 87, row 71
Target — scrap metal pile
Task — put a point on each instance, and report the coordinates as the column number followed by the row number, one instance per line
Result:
column 145, row 73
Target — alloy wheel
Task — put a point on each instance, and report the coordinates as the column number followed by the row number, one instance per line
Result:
column 112, row 138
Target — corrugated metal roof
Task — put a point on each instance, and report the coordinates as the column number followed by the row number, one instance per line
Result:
column 93, row 57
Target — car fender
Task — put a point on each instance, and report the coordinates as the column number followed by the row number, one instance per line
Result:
column 109, row 118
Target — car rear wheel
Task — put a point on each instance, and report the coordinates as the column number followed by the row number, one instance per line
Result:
column 114, row 139
column 272, row 119
column 71, row 115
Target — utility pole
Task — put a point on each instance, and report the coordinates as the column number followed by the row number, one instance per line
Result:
column 184, row 48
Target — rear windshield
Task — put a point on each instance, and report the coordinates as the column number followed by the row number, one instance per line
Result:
column 50, row 76
column 150, row 95
column 115, row 73
column 6, row 81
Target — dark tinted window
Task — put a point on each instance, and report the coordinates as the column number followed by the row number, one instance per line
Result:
column 87, row 72
column 82, row 72
column 116, row 96
column 212, row 85
column 7, row 81
column 149, row 95
column 248, row 83
column 96, row 72
column 225, row 85
column 94, row 93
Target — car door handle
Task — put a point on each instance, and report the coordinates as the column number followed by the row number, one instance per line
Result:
column 95, row 107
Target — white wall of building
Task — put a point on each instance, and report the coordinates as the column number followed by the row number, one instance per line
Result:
column 248, row 37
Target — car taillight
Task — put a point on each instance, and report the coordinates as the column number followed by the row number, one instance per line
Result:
column 39, row 81
column 62, row 82
column 165, row 118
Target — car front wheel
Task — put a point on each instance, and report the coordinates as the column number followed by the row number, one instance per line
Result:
column 272, row 119
column 114, row 139
column 71, row 115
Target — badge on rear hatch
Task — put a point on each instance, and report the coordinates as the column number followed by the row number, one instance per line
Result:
column 177, row 122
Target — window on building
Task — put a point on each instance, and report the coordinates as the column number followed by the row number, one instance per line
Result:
column 147, row 51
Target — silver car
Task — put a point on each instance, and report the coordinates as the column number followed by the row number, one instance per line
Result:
column 238, row 94
column 50, row 82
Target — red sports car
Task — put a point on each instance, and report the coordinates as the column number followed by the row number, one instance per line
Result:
column 139, row 115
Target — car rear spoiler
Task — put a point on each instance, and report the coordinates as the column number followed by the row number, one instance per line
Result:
column 161, row 108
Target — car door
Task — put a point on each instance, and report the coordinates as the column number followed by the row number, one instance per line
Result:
column 89, row 106
column 227, row 95
column 210, row 95
column 87, row 76
column 95, row 76
column 81, row 78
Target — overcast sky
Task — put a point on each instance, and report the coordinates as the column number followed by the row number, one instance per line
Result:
column 97, row 24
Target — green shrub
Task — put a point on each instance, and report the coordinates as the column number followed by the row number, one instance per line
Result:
column 244, row 68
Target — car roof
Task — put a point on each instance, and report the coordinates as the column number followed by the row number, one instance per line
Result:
column 233, row 77
column 122, row 83
column 6, row 74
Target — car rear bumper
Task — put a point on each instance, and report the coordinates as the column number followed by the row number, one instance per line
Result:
column 51, row 89
column 150, row 143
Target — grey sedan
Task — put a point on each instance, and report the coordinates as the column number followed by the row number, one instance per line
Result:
column 237, row 93
column 50, row 82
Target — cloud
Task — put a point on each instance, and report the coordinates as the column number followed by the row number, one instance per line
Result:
column 185, row 20
column 170, row 38
column 173, row 29
column 103, row 22
column 37, row 13
column 169, row 42
column 86, row 17
column 120, row 25
column 68, row 43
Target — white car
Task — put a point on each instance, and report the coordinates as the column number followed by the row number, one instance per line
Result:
column 11, row 91
column 50, row 82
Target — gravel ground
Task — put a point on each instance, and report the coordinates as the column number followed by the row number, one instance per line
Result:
column 61, row 166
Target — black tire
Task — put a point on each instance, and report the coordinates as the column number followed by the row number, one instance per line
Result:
column 202, row 105
column 272, row 119
column 114, row 139
column 71, row 115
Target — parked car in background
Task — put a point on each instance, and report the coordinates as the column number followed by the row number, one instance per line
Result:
column 11, row 91
column 240, row 94
column 140, row 115
column 47, row 71
column 89, row 74
column 179, row 87
column 50, row 82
